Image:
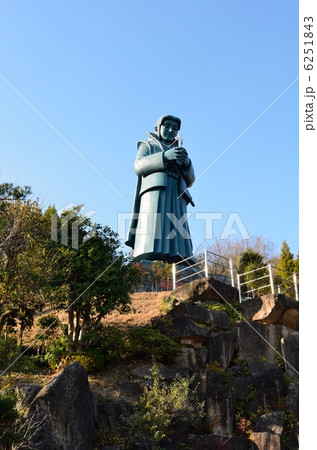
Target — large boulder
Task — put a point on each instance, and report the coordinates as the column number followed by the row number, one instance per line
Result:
column 197, row 313
column 220, row 409
column 219, row 320
column 215, row 442
column 259, row 342
column 269, row 430
column 290, row 352
column 272, row 308
column 222, row 346
column 61, row 415
column 210, row 290
column 264, row 387
column 220, row 402
column 292, row 400
column 185, row 331
column 186, row 359
column 26, row 393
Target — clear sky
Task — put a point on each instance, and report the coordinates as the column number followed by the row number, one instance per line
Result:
column 82, row 81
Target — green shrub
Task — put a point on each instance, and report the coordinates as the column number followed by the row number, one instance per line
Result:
column 148, row 344
column 39, row 361
column 163, row 404
column 49, row 320
column 8, row 418
column 109, row 342
column 10, row 352
column 232, row 309
column 57, row 350
column 85, row 359
column 168, row 304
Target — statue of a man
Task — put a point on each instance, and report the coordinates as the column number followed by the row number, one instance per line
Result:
column 159, row 228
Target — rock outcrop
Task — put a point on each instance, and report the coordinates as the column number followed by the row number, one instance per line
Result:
column 61, row 415
column 239, row 368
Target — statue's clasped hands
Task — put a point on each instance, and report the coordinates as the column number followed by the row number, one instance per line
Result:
column 178, row 154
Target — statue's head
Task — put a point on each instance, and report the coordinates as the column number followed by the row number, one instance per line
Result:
column 166, row 128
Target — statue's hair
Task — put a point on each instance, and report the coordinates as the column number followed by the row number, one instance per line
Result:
column 162, row 119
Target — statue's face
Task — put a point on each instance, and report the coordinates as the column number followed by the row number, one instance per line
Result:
column 168, row 130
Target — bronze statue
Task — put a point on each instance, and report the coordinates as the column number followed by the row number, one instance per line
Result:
column 159, row 228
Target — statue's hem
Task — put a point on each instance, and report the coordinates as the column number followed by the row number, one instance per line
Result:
column 162, row 257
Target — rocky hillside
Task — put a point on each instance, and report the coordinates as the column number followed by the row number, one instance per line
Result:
column 242, row 361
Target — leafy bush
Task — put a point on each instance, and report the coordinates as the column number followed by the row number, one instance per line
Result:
column 168, row 303
column 108, row 343
column 8, row 417
column 10, row 352
column 148, row 344
column 90, row 360
column 233, row 310
column 49, row 320
column 57, row 350
column 163, row 404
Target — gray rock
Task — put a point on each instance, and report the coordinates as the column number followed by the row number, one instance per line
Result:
column 272, row 308
column 62, row 412
column 210, row 291
column 258, row 342
column 292, row 400
column 215, row 442
column 219, row 399
column 263, row 440
column 219, row 320
column 203, row 357
column 290, row 352
column 26, row 393
column 206, row 378
column 186, row 332
column 220, row 409
column 222, row 346
column 186, row 359
column 195, row 312
column 263, row 389
column 272, row 422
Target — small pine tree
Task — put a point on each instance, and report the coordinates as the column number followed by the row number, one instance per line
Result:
column 286, row 260
column 288, row 265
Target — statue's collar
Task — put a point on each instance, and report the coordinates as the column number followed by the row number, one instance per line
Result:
column 153, row 137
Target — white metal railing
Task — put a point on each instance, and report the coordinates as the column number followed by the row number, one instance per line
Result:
column 198, row 265
column 274, row 280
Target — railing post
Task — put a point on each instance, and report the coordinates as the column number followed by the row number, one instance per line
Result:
column 231, row 272
column 239, row 287
column 174, row 275
column 206, row 264
column 295, row 285
column 271, row 279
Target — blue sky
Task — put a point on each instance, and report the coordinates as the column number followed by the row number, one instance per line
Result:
column 81, row 82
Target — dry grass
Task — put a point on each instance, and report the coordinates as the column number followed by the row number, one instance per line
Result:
column 144, row 306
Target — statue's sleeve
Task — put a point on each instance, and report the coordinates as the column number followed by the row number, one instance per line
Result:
column 147, row 162
column 189, row 175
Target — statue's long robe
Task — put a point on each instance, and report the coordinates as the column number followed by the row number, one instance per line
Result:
column 158, row 229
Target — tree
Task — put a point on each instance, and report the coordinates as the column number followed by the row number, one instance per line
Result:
column 287, row 265
column 286, row 259
column 234, row 248
column 92, row 280
column 24, row 264
column 251, row 261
